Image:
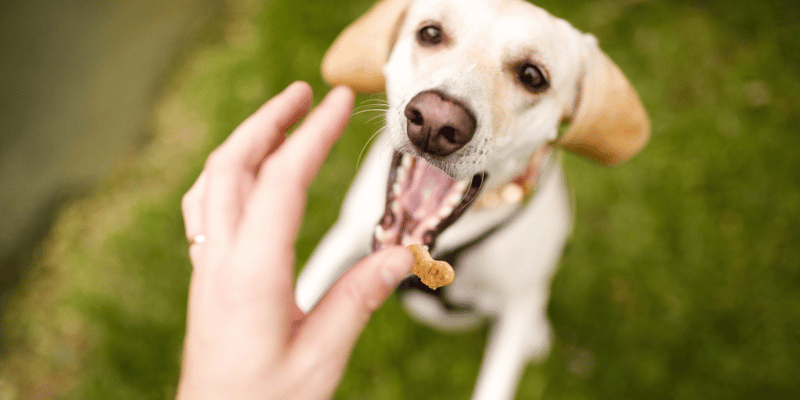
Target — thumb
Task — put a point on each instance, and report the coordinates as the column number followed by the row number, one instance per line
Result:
column 332, row 328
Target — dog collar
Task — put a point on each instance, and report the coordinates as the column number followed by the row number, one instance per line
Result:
column 520, row 189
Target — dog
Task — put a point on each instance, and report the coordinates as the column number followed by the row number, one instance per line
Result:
column 483, row 95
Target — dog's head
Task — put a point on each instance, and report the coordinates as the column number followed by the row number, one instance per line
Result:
column 473, row 83
column 476, row 86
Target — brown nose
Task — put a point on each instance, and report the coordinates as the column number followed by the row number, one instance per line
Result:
column 438, row 125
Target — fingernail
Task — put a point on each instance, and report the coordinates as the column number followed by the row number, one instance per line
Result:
column 294, row 86
column 339, row 93
column 396, row 266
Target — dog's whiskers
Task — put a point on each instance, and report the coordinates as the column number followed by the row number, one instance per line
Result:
column 361, row 109
column 378, row 110
column 379, row 106
column 361, row 154
column 385, row 140
column 375, row 101
column 375, row 117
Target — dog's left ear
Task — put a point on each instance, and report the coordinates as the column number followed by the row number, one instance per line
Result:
column 357, row 56
column 609, row 124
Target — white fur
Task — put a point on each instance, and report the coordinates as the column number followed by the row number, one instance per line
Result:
column 505, row 277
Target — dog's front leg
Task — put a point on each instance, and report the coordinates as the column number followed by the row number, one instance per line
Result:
column 529, row 249
column 508, row 350
column 350, row 238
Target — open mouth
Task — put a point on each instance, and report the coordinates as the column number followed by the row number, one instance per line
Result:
column 421, row 202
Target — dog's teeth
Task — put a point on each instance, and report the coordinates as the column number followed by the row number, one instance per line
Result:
column 395, row 206
column 401, row 175
column 454, row 199
column 461, row 186
column 406, row 161
column 445, row 211
column 396, row 189
column 379, row 232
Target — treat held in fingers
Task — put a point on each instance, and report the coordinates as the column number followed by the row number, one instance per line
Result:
column 432, row 273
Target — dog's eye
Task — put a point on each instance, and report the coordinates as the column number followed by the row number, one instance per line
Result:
column 532, row 77
column 430, row 35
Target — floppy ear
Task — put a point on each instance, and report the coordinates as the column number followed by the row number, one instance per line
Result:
column 357, row 56
column 609, row 124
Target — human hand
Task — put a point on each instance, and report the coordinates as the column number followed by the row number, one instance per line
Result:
column 245, row 336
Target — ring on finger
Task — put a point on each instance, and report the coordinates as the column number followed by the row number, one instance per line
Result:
column 197, row 239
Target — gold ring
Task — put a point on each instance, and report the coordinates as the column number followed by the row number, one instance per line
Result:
column 196, row 239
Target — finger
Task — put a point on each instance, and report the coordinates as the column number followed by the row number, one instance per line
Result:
column 274, row 210
column 296, row 319
column 231, row 168
column 306, row 148
column 263, row 131
column 192, row 206
column 332, row 328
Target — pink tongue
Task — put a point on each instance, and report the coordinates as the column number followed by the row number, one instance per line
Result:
column 423, row 194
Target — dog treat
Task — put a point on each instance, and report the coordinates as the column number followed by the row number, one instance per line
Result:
column 432, row 273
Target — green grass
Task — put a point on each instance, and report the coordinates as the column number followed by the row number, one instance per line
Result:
column 681, row 279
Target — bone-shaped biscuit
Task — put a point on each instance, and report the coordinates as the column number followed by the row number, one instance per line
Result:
column 432, row 273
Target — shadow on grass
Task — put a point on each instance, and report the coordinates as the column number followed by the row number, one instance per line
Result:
column 13, row 266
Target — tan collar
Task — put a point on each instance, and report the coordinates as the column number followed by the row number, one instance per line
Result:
column 520, row 189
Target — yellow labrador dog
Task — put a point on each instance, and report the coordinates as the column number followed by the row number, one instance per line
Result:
column 468, row 163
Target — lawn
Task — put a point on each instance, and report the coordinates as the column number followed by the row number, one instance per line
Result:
column 680, row 281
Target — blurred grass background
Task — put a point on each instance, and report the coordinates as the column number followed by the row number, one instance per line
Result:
column 681, row 279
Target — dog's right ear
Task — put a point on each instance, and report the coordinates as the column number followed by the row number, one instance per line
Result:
column 609, row 124
column 357, row 56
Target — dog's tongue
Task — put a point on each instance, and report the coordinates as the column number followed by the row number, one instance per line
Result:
column 421, row 201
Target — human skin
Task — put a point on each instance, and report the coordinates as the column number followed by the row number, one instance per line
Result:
column 245, row 336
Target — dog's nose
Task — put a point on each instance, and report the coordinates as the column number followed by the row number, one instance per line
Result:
column 438, row 125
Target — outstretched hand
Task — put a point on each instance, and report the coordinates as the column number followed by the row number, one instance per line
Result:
column 245, row 336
